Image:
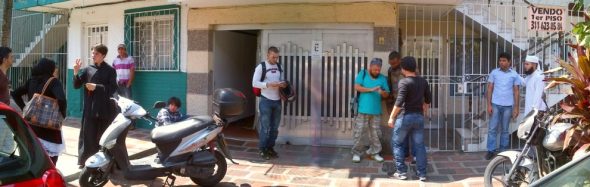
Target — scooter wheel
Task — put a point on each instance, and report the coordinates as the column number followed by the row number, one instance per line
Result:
column 220, row 170
column 92, row 178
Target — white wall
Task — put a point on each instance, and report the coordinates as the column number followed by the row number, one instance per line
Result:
column 113, row 16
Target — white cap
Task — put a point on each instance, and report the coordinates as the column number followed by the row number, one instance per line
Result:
column 532, row 59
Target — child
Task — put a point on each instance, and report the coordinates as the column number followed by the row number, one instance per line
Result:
column 170, row 114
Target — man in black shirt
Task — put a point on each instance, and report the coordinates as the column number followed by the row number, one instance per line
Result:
column 411, row 105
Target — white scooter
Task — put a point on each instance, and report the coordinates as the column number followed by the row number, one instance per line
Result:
column 192, row 148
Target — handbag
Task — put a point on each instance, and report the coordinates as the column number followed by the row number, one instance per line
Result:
column 43, row 111
column 354, row 101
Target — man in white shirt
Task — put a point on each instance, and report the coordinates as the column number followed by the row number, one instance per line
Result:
column 534, row 85
column 270, row 102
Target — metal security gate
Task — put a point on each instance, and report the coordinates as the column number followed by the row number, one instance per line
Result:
column 35, row 36
column 339, row 68
column 326, row 84
column 457, row 47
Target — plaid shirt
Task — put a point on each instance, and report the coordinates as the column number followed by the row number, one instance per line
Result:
column 166, row 117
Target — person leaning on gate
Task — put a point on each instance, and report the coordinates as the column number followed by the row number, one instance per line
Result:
column 125, row 67
column 267, row 78
column 503, row 99
column 407, row 119
column 372, row 86
column 534, row 84
column 99, row 82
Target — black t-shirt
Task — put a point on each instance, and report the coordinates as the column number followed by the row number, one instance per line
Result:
column 413, row 92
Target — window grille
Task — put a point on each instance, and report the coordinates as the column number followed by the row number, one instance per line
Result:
column 152, row 38
column 95, row 34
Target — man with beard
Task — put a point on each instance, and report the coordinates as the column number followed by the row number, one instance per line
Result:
column 373, row 87
column 534, row 85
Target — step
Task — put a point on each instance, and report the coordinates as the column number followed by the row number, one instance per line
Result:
column 480, row 123
column 467, row 133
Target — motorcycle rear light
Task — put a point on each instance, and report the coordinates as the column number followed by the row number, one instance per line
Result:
column 52, row 178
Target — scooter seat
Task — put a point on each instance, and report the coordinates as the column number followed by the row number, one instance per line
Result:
column 179, row 130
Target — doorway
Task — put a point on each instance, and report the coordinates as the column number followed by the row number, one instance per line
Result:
column 234, row 57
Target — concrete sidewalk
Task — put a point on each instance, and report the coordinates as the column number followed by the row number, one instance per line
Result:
column 138, row 145
column 297, row 166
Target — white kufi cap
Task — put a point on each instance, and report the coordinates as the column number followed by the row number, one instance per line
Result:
column 532, row 59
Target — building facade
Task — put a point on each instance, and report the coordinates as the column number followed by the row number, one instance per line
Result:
column 190, row 48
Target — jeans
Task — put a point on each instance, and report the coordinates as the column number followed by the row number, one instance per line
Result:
column 500, row 115
column 411, row 125
column 270, row 117
column 406, row 144
column 124, row 91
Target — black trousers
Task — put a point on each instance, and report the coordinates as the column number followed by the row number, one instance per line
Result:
column 90, row 132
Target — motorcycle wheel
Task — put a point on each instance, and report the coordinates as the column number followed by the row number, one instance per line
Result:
column 498, row 169
column 220, row 170
column 92, row 178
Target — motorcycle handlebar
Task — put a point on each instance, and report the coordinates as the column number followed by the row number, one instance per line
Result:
column 148, row 116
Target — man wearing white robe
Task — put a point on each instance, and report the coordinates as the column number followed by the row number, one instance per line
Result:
column 534, row 85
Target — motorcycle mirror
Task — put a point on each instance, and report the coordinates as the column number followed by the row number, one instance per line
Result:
column 159, row 104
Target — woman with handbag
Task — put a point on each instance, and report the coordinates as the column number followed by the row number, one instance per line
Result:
column 44, row 82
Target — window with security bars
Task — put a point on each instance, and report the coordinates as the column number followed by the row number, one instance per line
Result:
column 96, row 34
column 152, row 37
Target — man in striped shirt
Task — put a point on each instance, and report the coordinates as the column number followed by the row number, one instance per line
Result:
column 125, row 67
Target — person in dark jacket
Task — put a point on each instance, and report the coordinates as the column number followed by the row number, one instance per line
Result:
column 5, row 64
column 99, row 82
column 45, row 69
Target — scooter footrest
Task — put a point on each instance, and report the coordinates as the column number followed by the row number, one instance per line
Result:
column 144, row 172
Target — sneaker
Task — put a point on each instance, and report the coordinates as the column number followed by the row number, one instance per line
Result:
column 422, row 179
column 400, row 176
column 356, row 158
column 265, row 155
column 377, row 158
column 489, row 155
column 273, row 153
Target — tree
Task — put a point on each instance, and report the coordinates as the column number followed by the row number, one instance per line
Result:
column 7, row 22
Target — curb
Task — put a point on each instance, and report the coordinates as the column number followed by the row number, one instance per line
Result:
column 135, row 156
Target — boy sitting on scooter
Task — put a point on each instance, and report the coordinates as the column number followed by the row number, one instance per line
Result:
column 170, row 114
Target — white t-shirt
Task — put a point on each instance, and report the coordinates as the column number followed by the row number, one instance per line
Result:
column 272, row 75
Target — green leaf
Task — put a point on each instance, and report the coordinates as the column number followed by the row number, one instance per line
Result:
column 578, row 5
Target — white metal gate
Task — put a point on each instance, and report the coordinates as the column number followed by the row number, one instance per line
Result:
column 456, row 47
column 35, row 36
column 343, row 56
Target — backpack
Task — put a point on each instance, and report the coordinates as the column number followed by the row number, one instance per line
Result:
column 258, row 91
column 354, row 101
